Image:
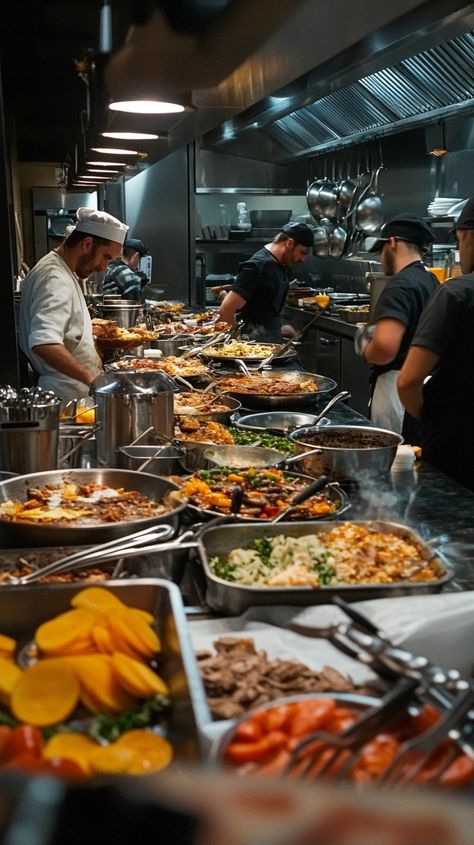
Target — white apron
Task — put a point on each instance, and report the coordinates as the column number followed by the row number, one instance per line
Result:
column 84, row 350
column 386, row 410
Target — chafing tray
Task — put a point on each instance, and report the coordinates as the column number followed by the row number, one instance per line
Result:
column 232, row 598
column 20, row 616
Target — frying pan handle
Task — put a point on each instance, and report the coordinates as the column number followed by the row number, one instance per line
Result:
column 301, row 497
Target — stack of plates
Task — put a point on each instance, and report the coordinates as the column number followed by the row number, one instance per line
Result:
column 440, row 206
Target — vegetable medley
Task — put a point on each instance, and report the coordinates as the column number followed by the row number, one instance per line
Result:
column 88, row 699
column 266, row 493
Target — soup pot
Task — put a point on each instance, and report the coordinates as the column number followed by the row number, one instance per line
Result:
column 347, row 452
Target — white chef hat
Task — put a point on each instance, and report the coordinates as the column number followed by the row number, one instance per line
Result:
column 101, row 224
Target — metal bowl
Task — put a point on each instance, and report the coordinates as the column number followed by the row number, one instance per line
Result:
column 371, row 455
column 168, row 462
column 284, row 420
column 53, row 535
column 174, row 347
column 287, row 401
column 217, row 416
column 333, row 491
column 241, row 457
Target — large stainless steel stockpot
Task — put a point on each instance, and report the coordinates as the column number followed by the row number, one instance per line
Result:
column 348, row 452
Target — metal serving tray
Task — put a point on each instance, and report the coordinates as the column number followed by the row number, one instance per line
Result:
column 232, row 599
column 20, row 616
column 42, row 556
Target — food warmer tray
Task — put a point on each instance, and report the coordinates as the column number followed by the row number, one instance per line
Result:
column 233, row 599
column 20, row 616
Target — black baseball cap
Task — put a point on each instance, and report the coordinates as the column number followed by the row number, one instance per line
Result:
column 466, row 218
column 137, row 245
column 404, row 227
column 300, row 232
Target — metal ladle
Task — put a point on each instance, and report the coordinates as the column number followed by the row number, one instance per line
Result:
column 282, row 432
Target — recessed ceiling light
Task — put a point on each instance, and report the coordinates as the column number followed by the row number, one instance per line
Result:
column 94, row 178
column 114, row 151
column 131, row 136
column 102, row 172
column 146, row 107
column 107, row 164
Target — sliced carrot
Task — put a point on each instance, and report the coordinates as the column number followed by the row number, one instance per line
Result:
column 45, row 693
column 136, row 678
column 151, row 752
column 97, row 599
column 71, row 746
column 7, row 645
column 9, row 677
column 63, row 633
column 111, row 759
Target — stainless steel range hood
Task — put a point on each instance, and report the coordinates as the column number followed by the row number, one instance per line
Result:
column 325, row 73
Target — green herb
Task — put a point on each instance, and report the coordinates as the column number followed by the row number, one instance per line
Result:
column 326, row 573
column 222, row 569
column 264, row 548
column 271, row 441
column 109, row 727
column 7, row 720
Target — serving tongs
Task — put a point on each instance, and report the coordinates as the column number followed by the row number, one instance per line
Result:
column 282, row 348
column 196, row 350
column 122, row 546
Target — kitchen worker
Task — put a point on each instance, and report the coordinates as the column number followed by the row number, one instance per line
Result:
column 384, row 344
column 436, row 382
column 259, row 292
column 55, row 326
column 122, row 276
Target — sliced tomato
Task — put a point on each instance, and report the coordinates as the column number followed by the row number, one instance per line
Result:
column 459, row 773
column 248, row 731
column 62, row 768
column 4, row 740
column 248, row 752
column 24, row 739
column 26, row 762
column 311, row 716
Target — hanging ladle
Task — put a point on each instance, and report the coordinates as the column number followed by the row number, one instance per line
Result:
column 282, row 432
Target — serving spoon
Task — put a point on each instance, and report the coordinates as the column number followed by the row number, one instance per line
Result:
column 282, row 432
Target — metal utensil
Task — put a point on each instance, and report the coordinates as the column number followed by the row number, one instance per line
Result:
column 344, row 394
column 138, row 538
column 301, row 497
column 196, row 350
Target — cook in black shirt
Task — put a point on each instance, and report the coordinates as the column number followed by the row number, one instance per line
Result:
column 260, row 290
column 443, row 346
column 396, row 314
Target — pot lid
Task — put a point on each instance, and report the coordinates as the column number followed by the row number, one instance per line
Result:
column 129, row 383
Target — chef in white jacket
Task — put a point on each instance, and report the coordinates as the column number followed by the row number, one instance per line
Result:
column 55, row 326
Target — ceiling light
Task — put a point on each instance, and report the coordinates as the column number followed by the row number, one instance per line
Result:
column 146, row 107
column 107, row 164
column 102, row 172
column 94, row 178
column 114, row 151
column 131, row 136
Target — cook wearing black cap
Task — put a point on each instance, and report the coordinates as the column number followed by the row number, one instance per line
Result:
column 123, row 278
column 384, row 345
column 260, row 289
column 443, row 349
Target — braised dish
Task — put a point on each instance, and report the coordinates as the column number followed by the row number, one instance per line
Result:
column 108, row 334
column 197, row 403
column 171, row 329
column 353, row 439
column 266, row 493
column 275, row 386
column 82, row 505
column 350, row 553
column 202, row 432
column 170, row 365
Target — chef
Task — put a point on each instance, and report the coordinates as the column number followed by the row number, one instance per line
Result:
column 55, row 327
column 260, row 290
column 384, row 345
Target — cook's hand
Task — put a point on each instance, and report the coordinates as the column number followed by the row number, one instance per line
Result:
column 361, row 338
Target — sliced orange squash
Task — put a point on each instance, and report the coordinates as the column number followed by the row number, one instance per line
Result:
column 99, row 682
column 65, row 632
column 97, row 599
column 111, row 759
column 152, row 752
column 9, row 677
column 7, row 645
column 71, row 746
column 137, row 678
column 45, row 693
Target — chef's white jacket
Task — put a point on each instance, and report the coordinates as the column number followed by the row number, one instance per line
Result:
column 53, row 310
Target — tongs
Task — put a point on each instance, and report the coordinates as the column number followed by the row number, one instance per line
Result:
column 102, row 552
column 282, row 348
column 196, row 350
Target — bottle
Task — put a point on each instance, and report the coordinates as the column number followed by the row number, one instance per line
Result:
column 448, row 265
column 243, row 221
